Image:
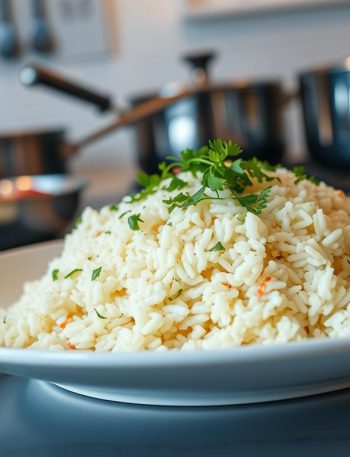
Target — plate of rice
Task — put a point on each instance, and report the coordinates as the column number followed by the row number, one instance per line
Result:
column 226, row 283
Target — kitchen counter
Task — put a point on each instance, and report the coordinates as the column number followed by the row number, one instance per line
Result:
column 107, row 185
column 42, row 420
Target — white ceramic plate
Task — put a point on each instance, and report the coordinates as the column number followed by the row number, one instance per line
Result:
column 223, row 377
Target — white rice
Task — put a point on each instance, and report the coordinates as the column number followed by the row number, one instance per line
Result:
column 283, row 276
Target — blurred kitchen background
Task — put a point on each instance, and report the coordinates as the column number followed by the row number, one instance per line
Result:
column 134, row 49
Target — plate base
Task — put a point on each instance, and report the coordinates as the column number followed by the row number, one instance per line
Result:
column 193, row 399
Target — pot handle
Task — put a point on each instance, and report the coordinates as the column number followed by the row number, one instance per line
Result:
column 33, row 75
column 131, row 117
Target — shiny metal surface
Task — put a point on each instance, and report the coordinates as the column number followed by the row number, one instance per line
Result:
column 38, row 419
column 325, row 95
column 32, row 153
column 247, row 112
column 37, row 208
column 181, row 116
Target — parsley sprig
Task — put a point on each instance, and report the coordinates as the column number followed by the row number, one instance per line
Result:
column 219, row 168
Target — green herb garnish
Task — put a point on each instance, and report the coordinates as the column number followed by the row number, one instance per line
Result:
column 185, row 200
column 300, row 175
column 150, row 183
column 242, row 217
column 96, row 273
column 54, row 274
column 107, row 232
column 113, row 207
column 78, row 221
column 123, row 214
column 219, row 168
column 73, row 272
column 177, row 295
column 218, row 247
column 175, row 184
column 4, row 320
column 99, row 315
column 133, row 221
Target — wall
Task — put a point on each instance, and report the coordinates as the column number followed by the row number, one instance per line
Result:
column 150, row 37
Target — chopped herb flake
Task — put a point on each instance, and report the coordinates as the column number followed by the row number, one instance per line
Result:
column 242, row 217
column 133, row 221
column 96, row 273
column 177, row 295
column 113, row 207
column 107, row 232
column 186, row 200
column 123, row 214
column 73, row 272
column 78, row 221
column 175, row 184
column 54, row 274
column 218, row 247
column 99, row 315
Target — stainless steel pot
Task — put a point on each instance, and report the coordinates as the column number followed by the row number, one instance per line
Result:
column 32, row 152
column 37, row 208
column 325, row 95
column 250, row 113
column 48, row 151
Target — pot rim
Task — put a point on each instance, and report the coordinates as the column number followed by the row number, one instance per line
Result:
column 229, row 85
column 328, row 69
column 25, row 133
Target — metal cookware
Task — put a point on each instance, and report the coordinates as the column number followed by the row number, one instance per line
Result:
column 325, row 95
column 41, row 38
column 9, row 44
column 37, row 208
column 47, row 151
column 182, row 116
column 250, row 113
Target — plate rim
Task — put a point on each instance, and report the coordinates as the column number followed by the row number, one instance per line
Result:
column 173, row 358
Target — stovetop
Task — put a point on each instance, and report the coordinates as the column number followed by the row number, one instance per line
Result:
column 39, row 419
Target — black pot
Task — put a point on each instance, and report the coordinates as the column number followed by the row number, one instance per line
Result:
column 325, row 95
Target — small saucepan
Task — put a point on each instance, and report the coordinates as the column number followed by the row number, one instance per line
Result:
column 48, row 151
column 325, row 95
column 37, row 208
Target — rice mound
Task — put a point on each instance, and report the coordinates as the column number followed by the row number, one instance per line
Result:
column 282, row 276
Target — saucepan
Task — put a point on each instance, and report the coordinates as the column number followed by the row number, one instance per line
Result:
column 37, row 208
column 165, row 122
column 48, row 151
column 248, row 112
column 325, row 95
